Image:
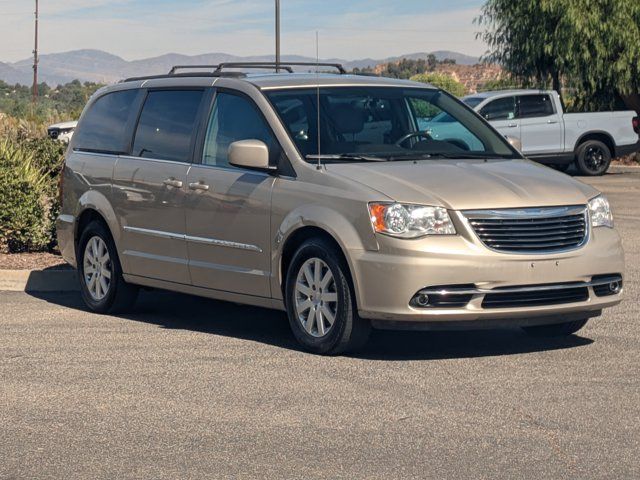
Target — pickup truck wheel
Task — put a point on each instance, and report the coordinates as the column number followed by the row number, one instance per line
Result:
column 320, row 301
column 557, row 330
column 99, row 272
column 593, row 158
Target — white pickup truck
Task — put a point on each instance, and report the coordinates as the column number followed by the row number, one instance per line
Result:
column 550, row 136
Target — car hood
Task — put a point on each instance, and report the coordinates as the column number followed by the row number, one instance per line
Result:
column 469, row 184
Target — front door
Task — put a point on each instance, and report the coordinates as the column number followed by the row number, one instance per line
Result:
column 501, row 113
column 540, row 125
column 150, row 186
column 228, row 211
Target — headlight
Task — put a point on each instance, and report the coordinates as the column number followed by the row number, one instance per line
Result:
column 410, row 221
column 600, row 212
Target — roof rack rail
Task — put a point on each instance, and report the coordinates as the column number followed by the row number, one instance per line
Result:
column 218, row 68
column 281, row 65
column 186, row 67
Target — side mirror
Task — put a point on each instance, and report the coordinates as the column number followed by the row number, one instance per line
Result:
column 515, row 142
column 252, row 154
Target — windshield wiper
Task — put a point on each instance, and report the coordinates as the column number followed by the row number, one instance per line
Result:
column 453, row 156
column 347, row 157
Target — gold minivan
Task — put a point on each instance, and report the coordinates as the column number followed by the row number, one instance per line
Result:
column 331, row 197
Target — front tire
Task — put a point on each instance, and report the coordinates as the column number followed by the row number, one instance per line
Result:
column 556, row 330
column 102, row 286
column 593, row 158
column 320, row 302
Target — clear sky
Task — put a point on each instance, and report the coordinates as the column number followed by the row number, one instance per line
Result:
column 136, row 29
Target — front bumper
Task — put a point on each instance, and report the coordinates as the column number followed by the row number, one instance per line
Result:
column 387, row 280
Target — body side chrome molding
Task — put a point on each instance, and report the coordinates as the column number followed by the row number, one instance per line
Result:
column 224, row 243
column 189, row 238
column 154, row 233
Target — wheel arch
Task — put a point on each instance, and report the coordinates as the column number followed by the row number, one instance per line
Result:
column 600, row 136
column 297, row 238
column 305, row 228
column 95, row 206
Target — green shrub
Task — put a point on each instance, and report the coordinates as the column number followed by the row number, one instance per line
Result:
column 26, row 219
column 442, row 80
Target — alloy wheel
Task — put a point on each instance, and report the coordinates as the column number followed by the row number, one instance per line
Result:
column 594, row 158
column 316, row 298
column 97, row 268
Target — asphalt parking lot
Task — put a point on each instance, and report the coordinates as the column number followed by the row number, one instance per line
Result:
column 192, row 388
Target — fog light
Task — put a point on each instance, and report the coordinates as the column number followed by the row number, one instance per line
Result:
column 422, row 300
column 614, row 287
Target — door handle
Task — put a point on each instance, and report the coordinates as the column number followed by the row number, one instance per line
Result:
column 199, row 186
column 551, row 122
column 512, row 125
column 172, row 182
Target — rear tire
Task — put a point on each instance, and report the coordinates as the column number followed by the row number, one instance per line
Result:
column 102, row 286
column 556, row 330
column 593, row 158
column 320, row 301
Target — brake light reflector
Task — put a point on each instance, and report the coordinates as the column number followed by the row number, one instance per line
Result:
column 636, row 124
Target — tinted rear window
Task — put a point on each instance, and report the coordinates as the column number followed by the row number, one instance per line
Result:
column 167, row 125
column 104, row 126
column 536, row 106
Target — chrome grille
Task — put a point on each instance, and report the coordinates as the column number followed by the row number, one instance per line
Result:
column 531, row 230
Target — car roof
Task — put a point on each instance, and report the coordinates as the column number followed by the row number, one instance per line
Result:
column 502, row 93
column 302, row 80
column 269, row 81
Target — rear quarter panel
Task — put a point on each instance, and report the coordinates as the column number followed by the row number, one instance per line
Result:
column 87, row 185
column 617, row 125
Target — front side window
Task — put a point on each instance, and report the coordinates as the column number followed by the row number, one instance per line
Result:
column 167, row 125
column 236, row 118
column 500, row 109
column 104, row 126
column 536, row 106
column 386, row 122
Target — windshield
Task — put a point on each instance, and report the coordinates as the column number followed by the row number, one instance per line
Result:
column 361, row 123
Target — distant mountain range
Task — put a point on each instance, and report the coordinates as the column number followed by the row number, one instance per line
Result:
column 103, row 67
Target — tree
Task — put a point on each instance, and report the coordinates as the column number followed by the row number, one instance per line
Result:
column 442, row 80
column 591, row 46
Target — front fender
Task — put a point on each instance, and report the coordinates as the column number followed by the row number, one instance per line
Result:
column 343, row 230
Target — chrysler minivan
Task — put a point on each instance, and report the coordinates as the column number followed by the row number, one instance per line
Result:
column 320, row 195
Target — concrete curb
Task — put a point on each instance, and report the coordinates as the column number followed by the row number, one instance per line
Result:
column 38, row 281
column 624, row 168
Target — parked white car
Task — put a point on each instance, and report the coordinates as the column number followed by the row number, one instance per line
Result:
column 62, row 131
column 550, row 136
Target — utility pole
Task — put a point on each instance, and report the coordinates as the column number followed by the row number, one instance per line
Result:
column 277, row 35
column 35, row 60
